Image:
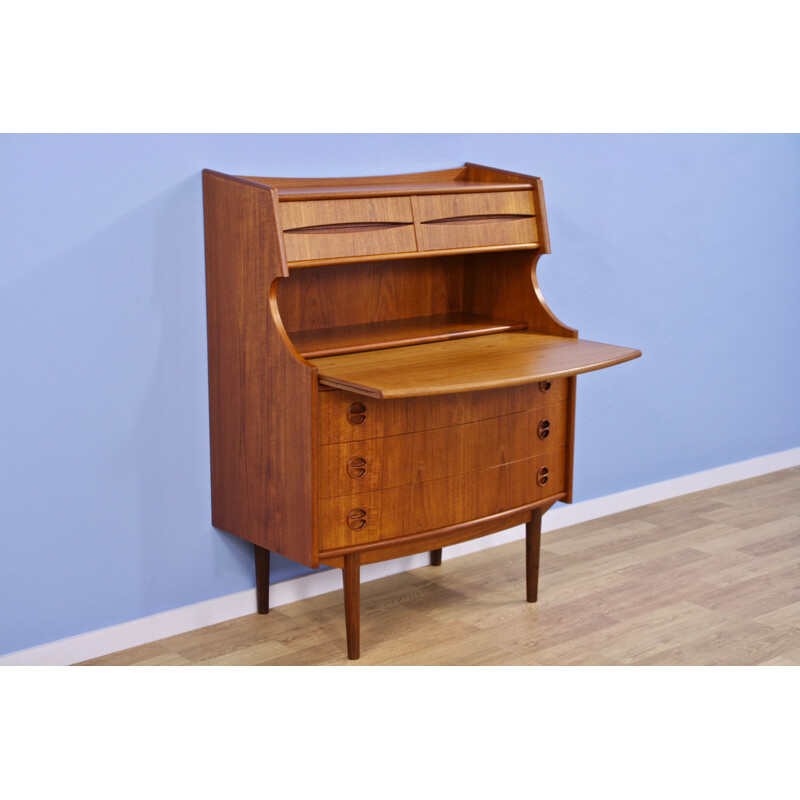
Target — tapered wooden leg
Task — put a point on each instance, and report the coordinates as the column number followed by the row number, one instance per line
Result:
column 436, row 558
column 533, row 543
column 262, row 579
column 352, row 603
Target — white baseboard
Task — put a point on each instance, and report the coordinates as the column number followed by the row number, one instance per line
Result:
column 180, row 620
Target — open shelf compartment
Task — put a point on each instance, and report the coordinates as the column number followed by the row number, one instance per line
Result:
column 397, row 333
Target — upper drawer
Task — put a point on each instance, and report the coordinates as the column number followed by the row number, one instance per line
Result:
column 483, row 219
column 317, row 229
column 348, row 417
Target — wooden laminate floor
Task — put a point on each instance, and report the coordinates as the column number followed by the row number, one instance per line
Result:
column 708, row 578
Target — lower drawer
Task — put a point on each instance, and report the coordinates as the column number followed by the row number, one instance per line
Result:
column 415, row 508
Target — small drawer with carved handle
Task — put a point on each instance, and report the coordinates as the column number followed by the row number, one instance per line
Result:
column 474, row 219
column 326, row 229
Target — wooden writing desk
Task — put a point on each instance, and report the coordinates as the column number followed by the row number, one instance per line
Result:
column 385, row 376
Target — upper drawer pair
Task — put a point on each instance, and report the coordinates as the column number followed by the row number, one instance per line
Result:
column 350, row 228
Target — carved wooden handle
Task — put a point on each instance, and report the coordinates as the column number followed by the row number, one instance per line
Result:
column 544, row 429
column 357, row 467
column 541, row 476
column 357, row 519
column 545, row 386
column 356, row 414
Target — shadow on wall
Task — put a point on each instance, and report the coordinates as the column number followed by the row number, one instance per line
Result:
column 105, row 484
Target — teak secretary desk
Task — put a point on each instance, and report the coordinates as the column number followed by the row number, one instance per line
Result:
column 385, row 376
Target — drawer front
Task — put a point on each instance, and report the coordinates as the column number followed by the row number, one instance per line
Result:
column 361, row 518
column 320, row 229
column 393, row 513
column 374, row 464
column 348, row 417
column 482, row 219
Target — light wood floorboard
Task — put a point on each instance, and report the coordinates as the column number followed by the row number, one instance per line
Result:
column 708, row 578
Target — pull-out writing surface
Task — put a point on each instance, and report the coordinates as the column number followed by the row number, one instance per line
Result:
column 462, row 365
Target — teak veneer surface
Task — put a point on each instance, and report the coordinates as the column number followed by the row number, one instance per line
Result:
column 460, row 365
column 317, row 190
column 417, row 457
column 384, row 373
column 396, row 333
column 419, row 507
column 414, row 414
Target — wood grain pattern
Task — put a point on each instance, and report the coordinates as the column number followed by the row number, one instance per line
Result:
column 262, row 400
column 440, row 207
column 315, row 213
column 351, row 578
column 606, row 597
column 432, row 212
column 364, row 294
column 418, row 296
column 300, row 222
column 435, row 182
column 396, row 417
column 328, row 261
column 461, row 365
column 533, row 543
column 488, row 175
column 320, row 342
column 449, row 535
column 506, row 284
column 335, row 191
column 392, row 513
column 415, row 457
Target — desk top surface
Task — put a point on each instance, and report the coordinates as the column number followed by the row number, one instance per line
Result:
column 460, row 365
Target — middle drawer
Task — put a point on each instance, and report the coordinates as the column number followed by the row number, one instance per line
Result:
column 365, row 466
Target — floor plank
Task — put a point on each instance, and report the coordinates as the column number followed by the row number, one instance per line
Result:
column 708, row 578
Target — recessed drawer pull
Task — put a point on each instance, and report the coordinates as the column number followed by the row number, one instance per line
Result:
column 545, row 386
column 357, row 467
column 544, row 428
column 473, row 218
column 541, row 476
column 347, row 227
column 357, row 414
column 357, row 519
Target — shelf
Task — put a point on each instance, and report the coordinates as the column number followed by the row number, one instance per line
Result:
column 396, row 333
column 461, row 365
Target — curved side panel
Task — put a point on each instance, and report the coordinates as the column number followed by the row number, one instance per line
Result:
column 261, row 394
column 545, row 314
column 505, row 285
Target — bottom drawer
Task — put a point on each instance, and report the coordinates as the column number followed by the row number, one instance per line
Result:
column 394, row 513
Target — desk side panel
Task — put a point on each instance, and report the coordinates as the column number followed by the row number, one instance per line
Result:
column 261, row 396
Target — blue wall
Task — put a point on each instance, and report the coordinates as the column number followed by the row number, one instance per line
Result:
column 686, row 246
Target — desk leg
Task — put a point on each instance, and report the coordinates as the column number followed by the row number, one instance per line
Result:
column 351, row 575
column 436, row 558
column 533, row 543
column 262, row 579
